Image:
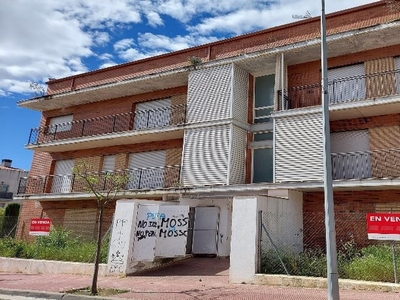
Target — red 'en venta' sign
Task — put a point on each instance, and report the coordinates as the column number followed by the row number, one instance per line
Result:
column 383, row 226
column 40, row 227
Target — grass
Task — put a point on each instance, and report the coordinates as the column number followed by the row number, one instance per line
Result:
column 372, row 263
column 60, row 245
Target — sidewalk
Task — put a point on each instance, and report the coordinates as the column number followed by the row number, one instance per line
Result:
column 196, row 278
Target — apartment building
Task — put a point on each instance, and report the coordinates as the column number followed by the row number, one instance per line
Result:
column 231, row 128
column 9, row 181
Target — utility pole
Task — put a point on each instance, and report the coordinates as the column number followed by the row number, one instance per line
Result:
column 331, row 251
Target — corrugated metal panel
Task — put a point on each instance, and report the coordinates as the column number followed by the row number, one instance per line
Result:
column 205, row 156
column 108, row 163
column 238, row 156
column 348, row 89
column 240, row 94
column 299, row 148
column 209, row 94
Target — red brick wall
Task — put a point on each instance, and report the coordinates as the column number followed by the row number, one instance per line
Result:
column 55, row 210
column 365, row 123
column 350, row 214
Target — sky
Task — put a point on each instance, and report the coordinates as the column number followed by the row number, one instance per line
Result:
column 42, row 39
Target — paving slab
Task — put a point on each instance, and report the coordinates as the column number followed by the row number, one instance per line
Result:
column 195, row 278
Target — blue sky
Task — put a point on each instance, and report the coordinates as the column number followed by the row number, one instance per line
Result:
column 47, row 38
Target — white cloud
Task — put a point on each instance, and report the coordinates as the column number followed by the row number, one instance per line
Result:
column 154, row 19
column 123, row 44
column 41, row 39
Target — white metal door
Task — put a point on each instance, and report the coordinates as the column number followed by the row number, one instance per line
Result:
column 205, row 230
column 62, row 179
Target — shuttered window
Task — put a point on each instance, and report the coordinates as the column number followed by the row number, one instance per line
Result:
column 108, row 163
column 62, row 178
column 60, row 124
column 147, row 169
column 153, row 114
column 347, row 83
column 350, row 154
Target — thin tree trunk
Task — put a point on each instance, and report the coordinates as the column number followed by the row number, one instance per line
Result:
column 93, row 289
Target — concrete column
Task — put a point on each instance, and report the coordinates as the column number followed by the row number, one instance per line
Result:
column 243, row 258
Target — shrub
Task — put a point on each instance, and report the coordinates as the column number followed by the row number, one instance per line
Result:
column 374, row 264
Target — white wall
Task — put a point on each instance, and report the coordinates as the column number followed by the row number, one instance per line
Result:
column 245, row 229
column 12, row 177
column 224, row 230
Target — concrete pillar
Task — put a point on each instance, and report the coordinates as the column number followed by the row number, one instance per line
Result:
column 243, row 258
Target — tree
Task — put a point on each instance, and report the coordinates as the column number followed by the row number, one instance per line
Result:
column 105, row 187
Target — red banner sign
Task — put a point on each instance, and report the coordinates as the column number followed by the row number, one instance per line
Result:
column 383, row 226
column 40, row 227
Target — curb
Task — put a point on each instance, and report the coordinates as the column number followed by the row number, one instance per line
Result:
column 50, row 296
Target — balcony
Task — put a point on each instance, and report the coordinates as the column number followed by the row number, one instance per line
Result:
column 145, row 125
column 6, row 195
column 139, row 179
column 366, row 164
column 360, row 93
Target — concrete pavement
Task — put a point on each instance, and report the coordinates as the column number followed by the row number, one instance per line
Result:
column 195, row 278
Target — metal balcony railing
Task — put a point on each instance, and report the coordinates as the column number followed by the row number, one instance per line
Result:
column 348, row 89
column 366, row 164
column 144, row 178
column 6, row 195
column 138, row 120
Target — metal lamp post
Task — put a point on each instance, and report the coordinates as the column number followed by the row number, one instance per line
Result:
column 331, row 252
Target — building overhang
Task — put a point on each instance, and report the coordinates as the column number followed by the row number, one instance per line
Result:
column 257, row 63
column 229, row 191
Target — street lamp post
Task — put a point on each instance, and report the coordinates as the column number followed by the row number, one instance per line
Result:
column 331, row 253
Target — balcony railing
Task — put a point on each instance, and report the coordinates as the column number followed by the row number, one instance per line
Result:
column 132, row 121
column 366, row 164
column 144, row 178
column 348, row 89
column 6, row 195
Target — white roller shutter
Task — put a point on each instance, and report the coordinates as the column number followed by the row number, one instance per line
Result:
column 237, row 157
column 147, row 169
column 397, row 66
column 108, row 163
column 240, row 94
column 153, row 114
column 62, row 178
column 60, row 124
column 342, row 87
column 209, row 94
column 350, row 154
column 298, row 148
column 205, row 156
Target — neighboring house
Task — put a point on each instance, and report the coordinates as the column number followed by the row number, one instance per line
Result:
column 9, row 181
column 240, row 131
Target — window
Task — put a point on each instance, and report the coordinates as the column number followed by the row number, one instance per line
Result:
column 264, row 98
column 263, row 165
column 153, row 114
column 62, row 179
column 108, row 163
column 60, row 124
column 147, row 169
